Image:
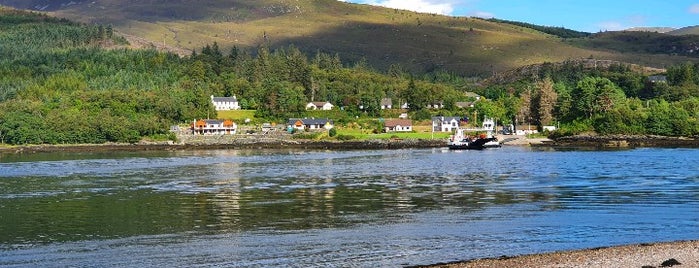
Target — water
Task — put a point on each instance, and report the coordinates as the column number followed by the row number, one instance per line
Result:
column 369, row 208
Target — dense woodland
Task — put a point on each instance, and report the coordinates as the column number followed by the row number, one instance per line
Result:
column 58, row 84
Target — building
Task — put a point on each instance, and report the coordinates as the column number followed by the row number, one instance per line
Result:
column 445, row 124
column 386, row 103
column 325, row 106
column 464, row 104
column 472, row 95
column 225, row 103
column 657, row 79
column 398, row 125
column 214, row 127
column 436, row 105
column 309, row 124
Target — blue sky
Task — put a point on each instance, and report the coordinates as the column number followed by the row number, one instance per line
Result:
column 588, row 15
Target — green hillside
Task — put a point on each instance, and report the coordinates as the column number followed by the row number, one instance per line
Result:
column 651, row 43
column 694, row 30
column 382, row 36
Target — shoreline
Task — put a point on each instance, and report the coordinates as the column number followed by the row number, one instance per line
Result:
column 580, row 141
column 662, row 254
column 239, row 144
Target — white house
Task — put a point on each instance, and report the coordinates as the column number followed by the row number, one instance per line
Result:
column 214, row 127
column 325, row 106
column 398, row 125
column 225, row 103
column 445, row 124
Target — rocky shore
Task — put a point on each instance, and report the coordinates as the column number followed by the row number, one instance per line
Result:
column 286, row 142
column 625, row 141
column 237, row 143
column 681, row 254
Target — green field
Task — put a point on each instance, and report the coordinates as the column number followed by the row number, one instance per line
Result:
column 236, row 115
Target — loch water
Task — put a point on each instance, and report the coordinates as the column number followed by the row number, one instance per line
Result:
column 348, row 208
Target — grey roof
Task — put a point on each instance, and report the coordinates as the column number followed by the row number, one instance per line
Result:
column 445, row 118
column 225, row 99
column 386, row 102
column 213, row 121
column 463, row 104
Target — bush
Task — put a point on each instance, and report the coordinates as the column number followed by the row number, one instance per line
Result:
column 332, row 132
column 345, row 137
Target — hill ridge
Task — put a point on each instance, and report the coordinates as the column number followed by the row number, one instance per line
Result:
column 380, row 36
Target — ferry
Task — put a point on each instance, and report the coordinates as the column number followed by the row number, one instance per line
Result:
column 460, row 141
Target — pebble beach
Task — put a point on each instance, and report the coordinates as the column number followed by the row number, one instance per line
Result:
column 681, row 254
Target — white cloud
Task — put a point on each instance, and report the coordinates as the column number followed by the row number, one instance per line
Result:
column 694, row 9
column 424, row 6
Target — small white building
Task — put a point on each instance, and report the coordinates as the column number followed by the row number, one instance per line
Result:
column 225, row 103
column 324, row 106
column 398, row 125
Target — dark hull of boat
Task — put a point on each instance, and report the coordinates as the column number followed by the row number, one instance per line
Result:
column 478, row 144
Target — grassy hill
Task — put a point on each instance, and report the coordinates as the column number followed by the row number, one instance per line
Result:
column 652, row 43
column 686, row 30
column 382, row 36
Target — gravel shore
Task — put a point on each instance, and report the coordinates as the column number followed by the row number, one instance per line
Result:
column 682, row 254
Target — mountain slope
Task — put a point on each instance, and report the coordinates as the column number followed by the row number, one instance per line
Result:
column 418, row 42
column 686, row 30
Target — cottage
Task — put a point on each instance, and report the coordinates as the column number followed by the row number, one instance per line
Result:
column 325, row 106
column 445, row 124
column 386, row 103
column 464, row 104
column 225, row 103
column 310, row 124
column 398, row 125
column 214, row 127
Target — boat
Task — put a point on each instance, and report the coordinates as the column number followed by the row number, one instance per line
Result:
column 460, row 141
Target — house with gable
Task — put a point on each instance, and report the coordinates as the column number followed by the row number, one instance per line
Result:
column 324, row 106
column 445, row 123
column 398, row 125
column 464, row 104
column 386, row 103
column 225, row 103
column 309, row 124
column 214, row 127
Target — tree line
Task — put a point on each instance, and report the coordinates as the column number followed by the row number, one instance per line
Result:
column 610, row 100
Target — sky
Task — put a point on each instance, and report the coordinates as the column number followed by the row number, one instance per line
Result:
column 582, row 15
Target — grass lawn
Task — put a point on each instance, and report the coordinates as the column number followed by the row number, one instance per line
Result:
column 236, row 115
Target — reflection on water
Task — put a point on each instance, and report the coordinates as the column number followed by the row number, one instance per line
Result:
column 344, row 208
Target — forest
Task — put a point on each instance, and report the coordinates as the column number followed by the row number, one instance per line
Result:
column 65, row 82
